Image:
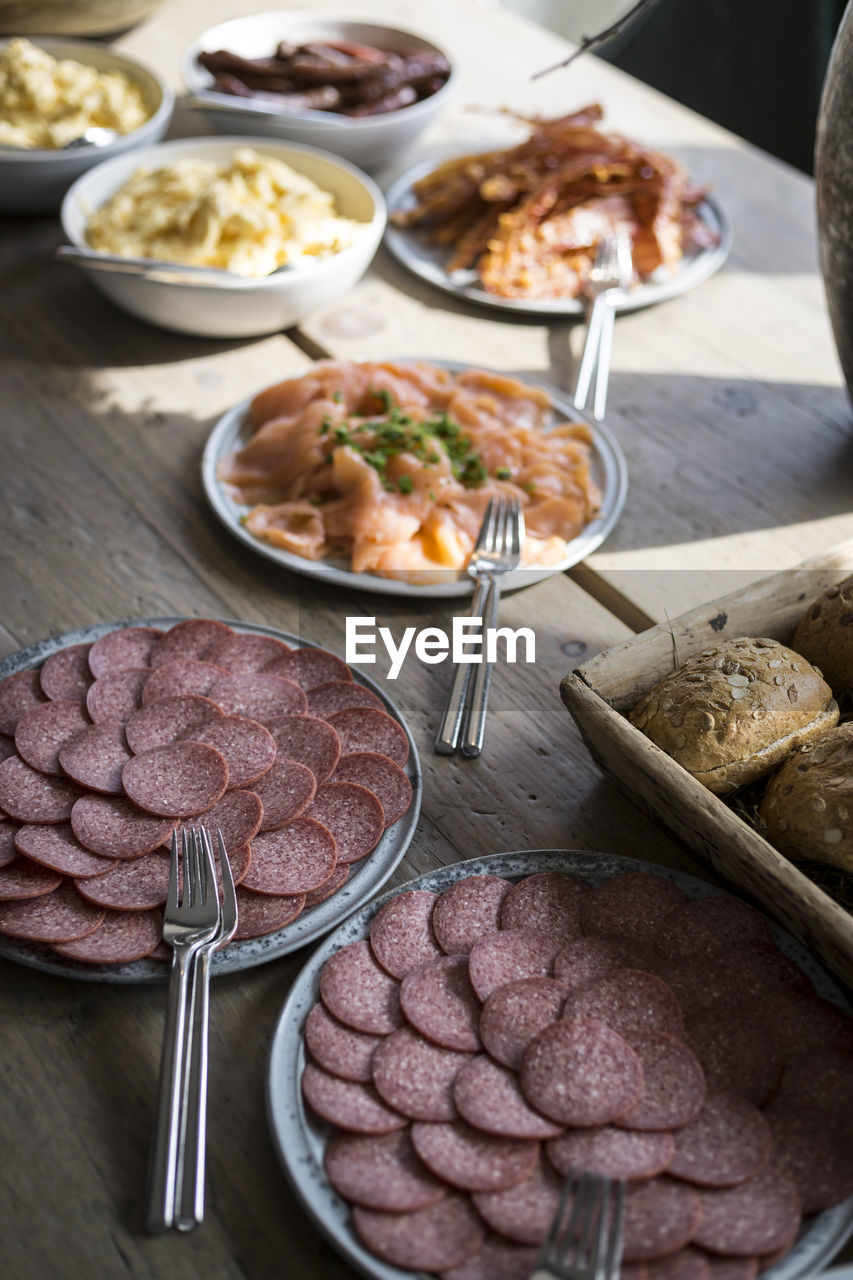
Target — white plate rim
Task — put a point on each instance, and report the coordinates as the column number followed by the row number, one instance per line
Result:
column 298, row 1141
column 358, row 889
column 610, row 471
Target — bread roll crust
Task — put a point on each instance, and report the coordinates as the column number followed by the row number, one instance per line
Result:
column 807, row 809
column 824, row 636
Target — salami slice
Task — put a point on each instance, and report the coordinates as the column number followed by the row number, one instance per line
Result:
column 120, row 938
column 176, row 781
column 296, row 858
column 336, row 881
column 258, row 915
column 352, row 814
column 237, row 815
column 60, row 916
column 579, row 1072
column 67, row 674
column 55, row 847
column 258, row 696
column 524, row 1212
column 123, row 649
column 627, row 1000
column 286, row 790
column 752, row 1218
column 44, row 730
column 467, row 910
column 684, row 1264
column 310, row 667
column 168, row 720
column 337, row 695
column 21, row 878
column 819, row 1077
column 308, row 741
column 117, row 696
column 661, row 1216
column 355, row 1107
column 8, row 849
column 440, row 1002
column 470, row 1160
column 190, row 639
column 631, row 906
column 366, row 729
column 812, row 1145
column 708, row 926
column 337, row 1048
column 401, row 935
column 115, row 828
column 726, row 1143
column 514, row 1014
column 416, row 1077
column 95, row 757
column 497, row 1259
column 793, row 1025
column 612, row 1152
column 489, row 1097
column 735, row 1268
column 30, row 796
column 139, row 885
column 243, row 653
column 249, row 749
column 583, row 960
column 734, row 1053
column 380, row 775
column 357, row 992
column 673, row 1084
column 548, row 902
column 508, row 956
column 18, row 694
column 186, row 675
column 432, row 1239
column 381, row 1172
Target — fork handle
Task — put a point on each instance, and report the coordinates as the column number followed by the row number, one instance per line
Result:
column 160, row 1215
column 189, row 1179
column 605, row 346
column 447, row 738
column 475, row 726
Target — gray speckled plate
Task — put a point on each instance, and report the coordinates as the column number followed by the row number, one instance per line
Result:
column 364, row 880
column 301, row 1141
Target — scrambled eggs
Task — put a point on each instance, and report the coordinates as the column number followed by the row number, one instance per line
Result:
column 249, row 215
column 45, row 102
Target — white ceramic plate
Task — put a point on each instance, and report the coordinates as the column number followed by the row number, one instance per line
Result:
column 301, row 1142
column 411, row 247
column 609, row 471
column 364, row 880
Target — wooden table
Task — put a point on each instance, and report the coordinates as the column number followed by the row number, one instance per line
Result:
column 729, row 406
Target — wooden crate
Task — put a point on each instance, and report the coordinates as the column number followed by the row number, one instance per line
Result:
column 599, row 694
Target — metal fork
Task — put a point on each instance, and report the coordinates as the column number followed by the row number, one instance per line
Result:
column 187, row 925
column 608, row 280
column 584, row 1241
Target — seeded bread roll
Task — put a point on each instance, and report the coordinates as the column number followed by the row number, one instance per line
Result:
column 825, row 636
column 730, row 714
column 807, row 810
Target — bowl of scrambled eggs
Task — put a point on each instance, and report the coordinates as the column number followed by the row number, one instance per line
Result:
column 279, row 229
column 51, row 92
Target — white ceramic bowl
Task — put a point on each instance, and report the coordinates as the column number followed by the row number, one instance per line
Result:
column 240, row 307
column 370, row 141
column 34, row 181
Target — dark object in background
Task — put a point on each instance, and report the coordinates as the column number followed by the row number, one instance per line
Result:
column 834, row 174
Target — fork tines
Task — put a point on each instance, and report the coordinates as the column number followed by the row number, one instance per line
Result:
column 584, row 1241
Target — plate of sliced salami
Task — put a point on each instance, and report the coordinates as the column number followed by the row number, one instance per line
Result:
column 114, row 736
column 457, row 1045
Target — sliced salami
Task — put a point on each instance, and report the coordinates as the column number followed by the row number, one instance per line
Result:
column 359, row 993
column 7, row 747
column 438, row 999
column 238, row 816
column 258, row 696
column 244, row 653
column 60, row 916
column 45, row 729
column 631, row 906
column 354, row 1107
column 260, row 914
column 812, row 1145
column 190, row 639
column 366, row 729
column 673, row 1085
column 95, row 757
column 548, row 902
column 514, row 1014
column 580, row 1072
column 818, row 1078
column 56, row 847
column 489, row 1097
column 30, row 796
column 432, row 1239
column 509, row 956
column 117, row 696
column 752, row 1218
column 352, row 814
column 726, row 1143
column 627, row 1000
column 583, row 960
column 310, row 667
column 308, row 741
column 467, row 910
column 18, row 694
column 8, row 849
column 708, row 926
column 337, row 695
column 612, row 1152
column 734, row 1268
column 296, row 858
column 381, row 1171
column 21, row 878
column 661, row 1216
column 176, row 781
column 684, row 1264
column 524, row 1212
column 286, row 790
column 336, row 881
column 67, row 674
column 794, row 1025
column 402, row 936
column 239, row 859
column 249, row 749
column 416, row 1077
column 120, row 938
column 496, row 1259
column 337, row 1048
column 470, row 1160
column 168, row 720
column 186, row 675
column 123, row 649
column 139, row 885
column 380, row 775
column 115, row 828
column 734, row 1053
